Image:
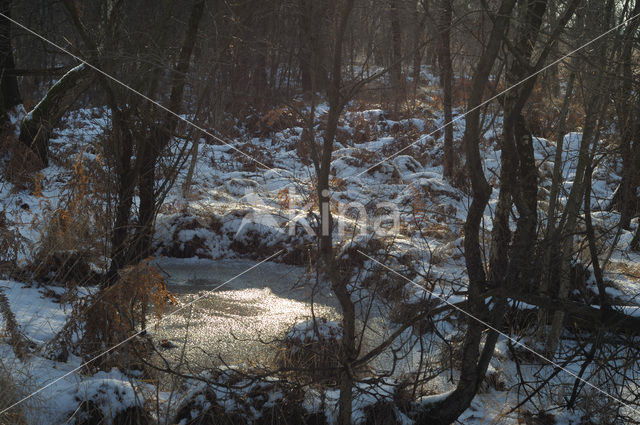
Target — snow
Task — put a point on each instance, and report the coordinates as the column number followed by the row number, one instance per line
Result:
column 73, row 70
column 260, row 210
column 315, row 330
column 39, row 316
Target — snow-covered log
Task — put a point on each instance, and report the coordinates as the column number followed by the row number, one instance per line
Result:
column 36, row 127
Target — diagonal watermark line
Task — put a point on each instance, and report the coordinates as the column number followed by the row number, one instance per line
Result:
column 192, row 124
column 515, row 341
column 267, row 167
column 128, row 87
column 206, row 294
column 459, row 117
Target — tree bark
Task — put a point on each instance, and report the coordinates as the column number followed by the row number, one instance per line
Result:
column 518, row 172
column 8, row 81
column 311, row 53
column 339, row 283
column 36, row 127
column 152, row 147
column 628, row 122
column 474, row 363
column 444, row 17
column 566, row 229
column 551, row 253
column 122, row 143
column 419, row 20
column 594, row 111
column 397, row 84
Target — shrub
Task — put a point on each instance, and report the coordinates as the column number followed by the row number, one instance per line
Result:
column 71, row 268
column 276, row 120
column 9, row 395
column 232, row 397
column 382, row 413
column 112, row 315
column 190, row 235
column 17, row 340
column 88, row 413
column 119, row 310
column 12, row 244
column 364, row 130
column 538, row 418
column 72, row 234
column 311, row 351
column 22, row 168
column 132, row 415
column 95, row 412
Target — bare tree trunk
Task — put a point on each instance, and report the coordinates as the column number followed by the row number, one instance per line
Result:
column 557, row 178
column 260, row 84
column 635, row 242
column 397, row 84
column 518, row 172
column 147, row 158
column 8, row 81
column 568, row 224
column 594, row 111
column 591, row 237
column 122, row 145
column 188, row 180
column 552, row 253
column 474, row 363
column 520, row 168
column 312, row 70
column 418, row 28
column 627, row 121
column 338, row 283
column 444, row 17
column 551, row 256
column 36, row 127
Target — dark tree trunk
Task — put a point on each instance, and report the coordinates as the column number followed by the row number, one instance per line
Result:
column 474, row 363
column 122, row 142
column 521, row 169
column 444, row 16
column 628, row 123
column 518, row 172
column 36, row 127
column 595, row 105
column 312, row 45
column 396, row 46
column 260, row 78
column 339, row 283
column 635, row 242
column 152, row 147
column 8, row 81
column 419, row 20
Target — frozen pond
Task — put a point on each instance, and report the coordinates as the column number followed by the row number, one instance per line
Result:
column 234, row 323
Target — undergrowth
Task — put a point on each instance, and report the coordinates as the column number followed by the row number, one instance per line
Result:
column 113, row 315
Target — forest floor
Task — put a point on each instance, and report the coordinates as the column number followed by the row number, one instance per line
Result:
column 237, row 211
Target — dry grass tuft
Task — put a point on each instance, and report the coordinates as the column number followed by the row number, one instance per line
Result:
column 311, row 351
column 18, row 342
column 73, row 233
column 112, row 315
column 12, row 244
column 628, row 269
column 23, row 167
column 9, row 394
column 382, row 413
column 120, row 310
column 277, row 119
column 364, row 130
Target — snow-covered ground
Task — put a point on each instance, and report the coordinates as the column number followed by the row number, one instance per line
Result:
column 236, row 210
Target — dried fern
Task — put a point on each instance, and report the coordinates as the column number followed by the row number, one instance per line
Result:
column 17, row 340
